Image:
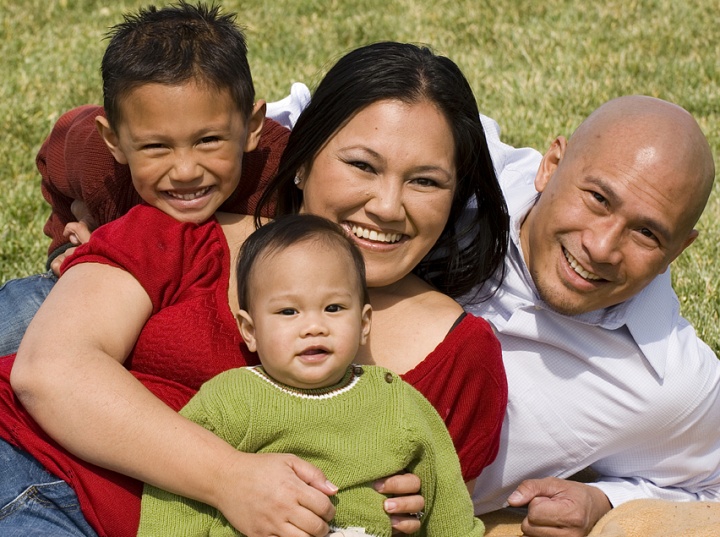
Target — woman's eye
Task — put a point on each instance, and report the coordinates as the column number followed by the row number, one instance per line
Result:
column 363, row 166
column 425, row 181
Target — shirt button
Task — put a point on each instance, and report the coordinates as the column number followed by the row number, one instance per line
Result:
column 388, row 377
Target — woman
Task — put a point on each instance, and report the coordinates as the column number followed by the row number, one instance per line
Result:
column 391, row 148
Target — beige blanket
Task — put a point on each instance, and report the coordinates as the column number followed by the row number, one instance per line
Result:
column 638, row 518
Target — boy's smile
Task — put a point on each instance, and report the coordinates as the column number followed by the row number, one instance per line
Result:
column 184, row 146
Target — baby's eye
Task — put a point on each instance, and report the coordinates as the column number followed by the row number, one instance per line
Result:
column 287, row 311
column 334, row 308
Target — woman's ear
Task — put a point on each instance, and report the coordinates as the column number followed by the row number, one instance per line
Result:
column 247, row 329
column 110, row 138
column 550, row 162
column 254, row 126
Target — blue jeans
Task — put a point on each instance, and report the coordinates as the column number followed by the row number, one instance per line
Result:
column 34, row 502
column 19, row 300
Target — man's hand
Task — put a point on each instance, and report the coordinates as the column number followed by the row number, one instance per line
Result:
column 404, row 489
column 559, row 508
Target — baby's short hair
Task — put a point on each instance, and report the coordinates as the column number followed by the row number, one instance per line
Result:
column 289, row 230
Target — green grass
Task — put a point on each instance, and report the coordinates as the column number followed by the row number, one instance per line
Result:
column 536, row 67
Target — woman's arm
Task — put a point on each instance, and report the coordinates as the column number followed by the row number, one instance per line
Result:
column 69, row 374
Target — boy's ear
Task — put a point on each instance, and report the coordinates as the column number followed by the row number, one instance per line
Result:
column 366, row 322
column 110, row 138
column 550, row 162
column 247, row 329
column 255, row 126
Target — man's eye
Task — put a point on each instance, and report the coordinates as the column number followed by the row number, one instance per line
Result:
column 599, row 197
column 647, row 233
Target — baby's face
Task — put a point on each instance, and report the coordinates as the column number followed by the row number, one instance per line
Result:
column 306, row 318
column 184, row 145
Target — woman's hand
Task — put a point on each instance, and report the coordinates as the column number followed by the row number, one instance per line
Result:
column 405, row 502
column 286, row 496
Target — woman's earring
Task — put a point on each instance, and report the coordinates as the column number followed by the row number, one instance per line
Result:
column 296, row 180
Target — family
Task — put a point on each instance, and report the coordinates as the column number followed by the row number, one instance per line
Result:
column 366, row 316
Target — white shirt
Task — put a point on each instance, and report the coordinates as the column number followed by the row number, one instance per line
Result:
column 630, row 390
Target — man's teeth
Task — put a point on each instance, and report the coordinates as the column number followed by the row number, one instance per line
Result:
column 373, row 235
column 189, row 196
column 577, row 268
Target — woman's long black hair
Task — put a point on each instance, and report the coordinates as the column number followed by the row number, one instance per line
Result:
column 473, row 244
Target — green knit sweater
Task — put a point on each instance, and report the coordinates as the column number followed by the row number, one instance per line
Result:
column 370, row 425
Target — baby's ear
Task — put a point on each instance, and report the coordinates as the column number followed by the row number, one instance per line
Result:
column 110, row 138
column 247, row 329
column 366, row 322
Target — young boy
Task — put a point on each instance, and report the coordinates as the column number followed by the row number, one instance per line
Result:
column 179, row 114
column 304, row 309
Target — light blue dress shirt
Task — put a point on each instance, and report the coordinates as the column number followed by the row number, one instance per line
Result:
column 629, row 390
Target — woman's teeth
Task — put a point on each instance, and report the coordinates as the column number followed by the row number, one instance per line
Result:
column 373, row 235
column 577, row 268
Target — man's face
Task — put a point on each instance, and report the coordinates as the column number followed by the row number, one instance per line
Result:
column 184, row 145
column 609, row 219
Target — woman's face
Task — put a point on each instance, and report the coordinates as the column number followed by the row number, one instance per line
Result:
column 388, row 177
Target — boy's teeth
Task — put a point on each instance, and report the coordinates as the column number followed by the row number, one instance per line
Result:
column 189, row 196
column 577, row 268
column 373, row 235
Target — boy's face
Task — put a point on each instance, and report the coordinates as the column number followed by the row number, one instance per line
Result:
column 184, row 145
column 306, row 319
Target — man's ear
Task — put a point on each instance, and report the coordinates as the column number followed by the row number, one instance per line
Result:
column 247, row 329
column 550, row 162
column 255, row 126
column 688, row 241
column 366, row 322
column 110, row 138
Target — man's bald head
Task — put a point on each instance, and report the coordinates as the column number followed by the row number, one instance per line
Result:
column 653, row 129
column 618, row 203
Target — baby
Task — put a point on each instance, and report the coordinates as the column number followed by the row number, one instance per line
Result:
column 304, row 309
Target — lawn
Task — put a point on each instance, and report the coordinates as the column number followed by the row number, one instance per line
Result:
column 538, row 68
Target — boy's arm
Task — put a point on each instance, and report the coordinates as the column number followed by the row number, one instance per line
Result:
column 75, row 164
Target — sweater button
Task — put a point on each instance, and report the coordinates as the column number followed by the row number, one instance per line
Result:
column 357, row 370
column 388, row 377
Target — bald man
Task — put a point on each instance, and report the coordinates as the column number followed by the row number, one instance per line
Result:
column 602, row 370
